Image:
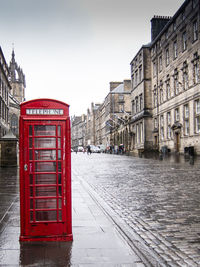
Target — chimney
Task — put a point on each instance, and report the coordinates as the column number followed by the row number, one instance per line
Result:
column 157, row 24
column 113, row 85
column 127, row 85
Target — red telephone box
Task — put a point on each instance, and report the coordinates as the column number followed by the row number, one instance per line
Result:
column 45, row 171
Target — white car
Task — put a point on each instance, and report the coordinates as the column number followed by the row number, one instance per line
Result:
column 95, row 149
column 80, row 149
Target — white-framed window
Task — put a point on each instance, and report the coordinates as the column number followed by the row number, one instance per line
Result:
column 186, row 119
column 184, row 41
column 176, row 86
column 155, row 123
column 168, row 92
column 197, row 106
column 177, row 115
column 186, row 111
column 185, row 80
column 168, row 125
column 186, row 127
column 195, row 31
column 197, row 124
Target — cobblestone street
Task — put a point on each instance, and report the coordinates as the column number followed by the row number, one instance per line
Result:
column 159, row 200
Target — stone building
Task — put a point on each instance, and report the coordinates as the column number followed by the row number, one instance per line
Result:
column 175, row 77
column 5, row 89
column 116, row 108
column 140, row 132
column 78, row 129
column 16, row 95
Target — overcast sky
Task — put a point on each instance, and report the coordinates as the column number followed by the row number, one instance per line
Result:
column 71, row 50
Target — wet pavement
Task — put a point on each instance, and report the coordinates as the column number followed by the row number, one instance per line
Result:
column 156, row 203
column 97, row 241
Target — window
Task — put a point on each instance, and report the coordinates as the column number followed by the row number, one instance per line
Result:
column 185, row 76
column 184, row 41
column 136, row 78
column 161, row 95
column 186, row 119
column 168, row 125
column 168, row 92
column 121, row 97
column 133, row 107
column 140, row 73
column 141, row 102
column 196, row 68
column 136, row 105
column 174, row 26
column 175, row 50
column 160, row 63
column 197, row 106
column 155, row 97
column 197, row 116
column 195, row 31
column 154, row 69
column 162, row 127
column 155, row 123
column 167, row 56
column 177, row 117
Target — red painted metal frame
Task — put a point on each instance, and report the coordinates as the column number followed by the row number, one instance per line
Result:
column 60, row 230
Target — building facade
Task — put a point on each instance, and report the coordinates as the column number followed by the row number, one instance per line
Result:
column 141, row 102
column 5, row 89
column 175, row 60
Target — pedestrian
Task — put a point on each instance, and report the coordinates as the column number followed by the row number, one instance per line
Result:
column 89, row 150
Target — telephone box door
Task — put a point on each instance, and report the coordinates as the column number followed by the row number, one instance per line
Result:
column 44, row 172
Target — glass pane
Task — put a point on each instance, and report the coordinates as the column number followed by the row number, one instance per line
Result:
column 31, row 216
column 45, row 191
column 45, row 142
column 45, row 166
column 59, row 130
column 59, row 166
column 30, row 142
column 59, row 143
column 59, row 154
column 31, row 179
column 45, row 178
column 50, row 215
column 60, row 190
column 30, row 130
column 59, row 178
column 30, row 155
column 45, row 130
column 45, row 203
column 45, row 154
column 31, row 203
column 59, row 203
column 31, row 191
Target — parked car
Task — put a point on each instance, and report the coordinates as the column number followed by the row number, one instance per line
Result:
column 80, row 149
column 95, row 149
column 102, row 148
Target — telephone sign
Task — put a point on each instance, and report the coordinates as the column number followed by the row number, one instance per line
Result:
column 45, row 171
